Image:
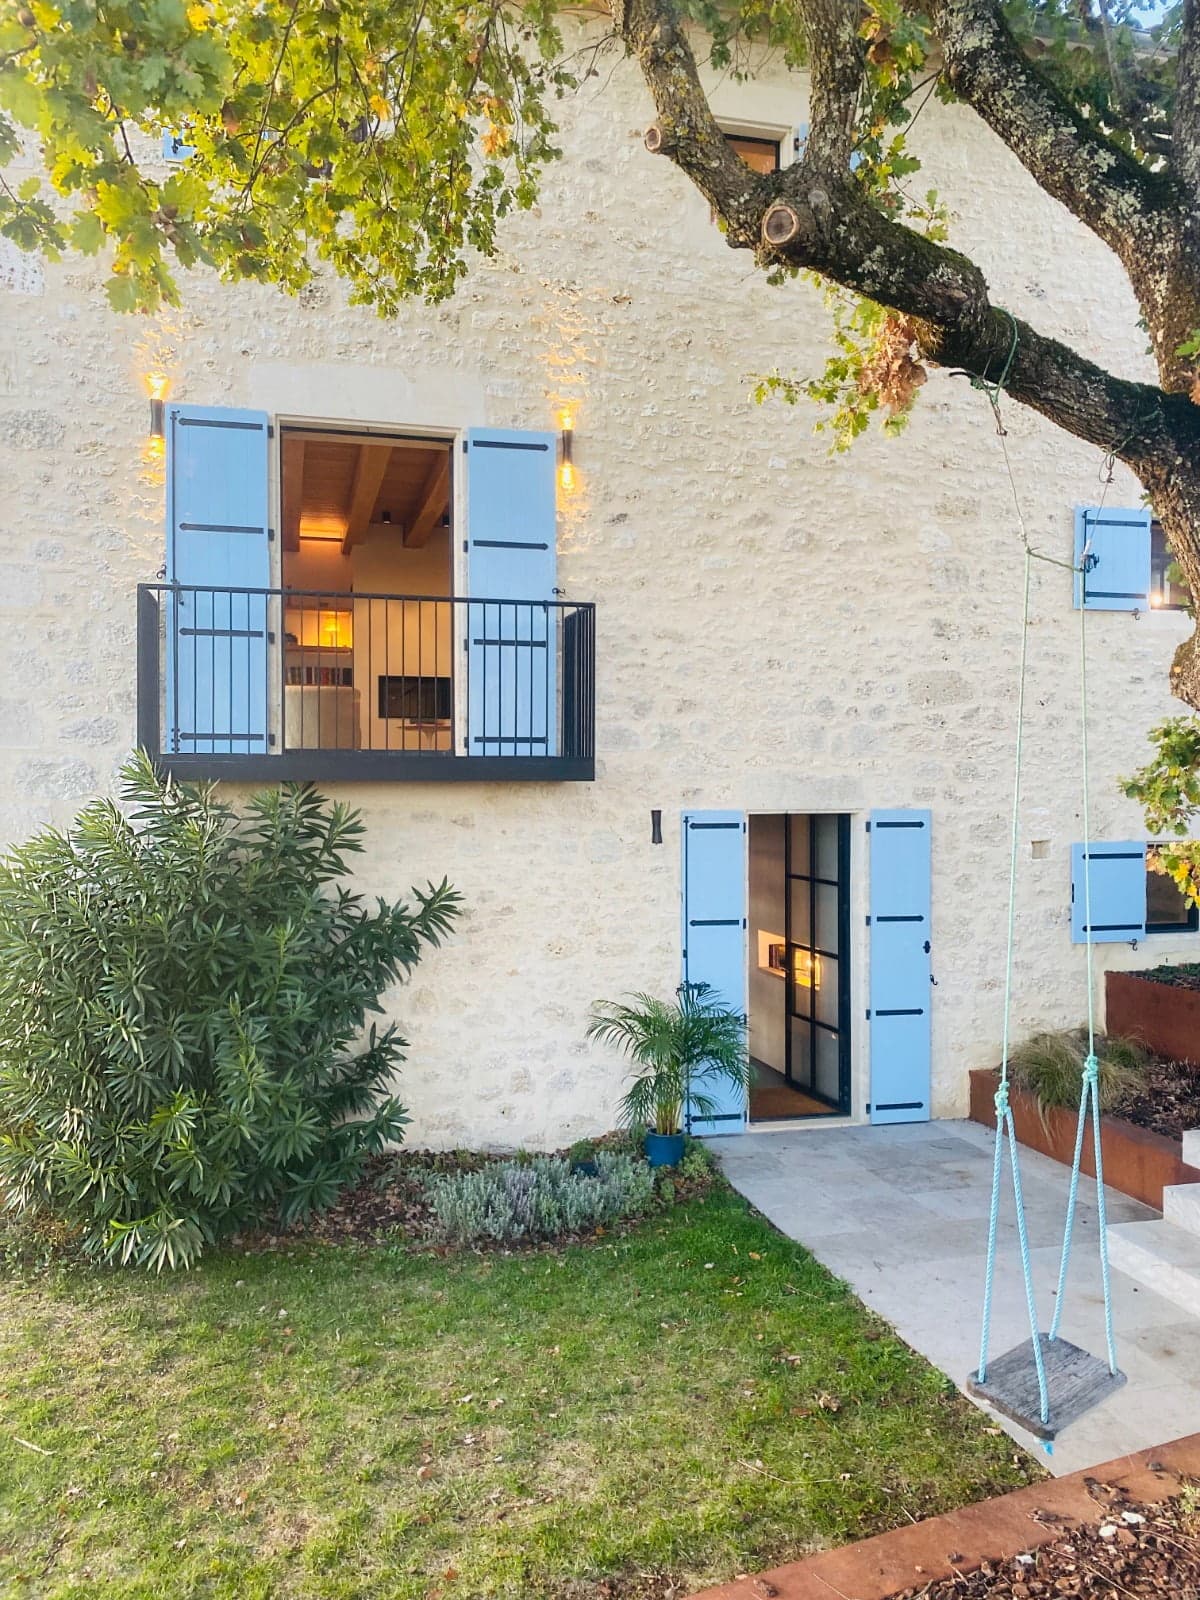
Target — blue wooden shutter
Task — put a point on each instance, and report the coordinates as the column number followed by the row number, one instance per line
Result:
column 801, row 139
column 1113, row 546
column 511, row 556
column 174, row 148
column 900, row 865
column 218, row 543
column 714, row 935
column 1118, row 892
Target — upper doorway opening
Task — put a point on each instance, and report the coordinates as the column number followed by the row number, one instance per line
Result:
column 367, row 570
column 799, row 967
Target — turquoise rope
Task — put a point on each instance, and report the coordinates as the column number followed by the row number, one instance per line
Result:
column 1089, row 1094
column 1005, row 1128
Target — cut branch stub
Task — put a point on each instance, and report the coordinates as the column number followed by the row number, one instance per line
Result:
column 656, row 141
column 780, row 225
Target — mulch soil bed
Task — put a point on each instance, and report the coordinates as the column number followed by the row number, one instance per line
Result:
column 1169, row 1103
column 1186, row 976
column 391, row 1203
column 1131, row 1551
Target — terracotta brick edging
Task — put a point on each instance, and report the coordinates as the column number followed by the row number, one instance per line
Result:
column 960, row 1541
column 1137, row 1162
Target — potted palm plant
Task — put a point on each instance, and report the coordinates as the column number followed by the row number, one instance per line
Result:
column 675, row 1047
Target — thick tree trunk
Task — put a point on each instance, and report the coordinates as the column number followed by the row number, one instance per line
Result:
column 814, row 215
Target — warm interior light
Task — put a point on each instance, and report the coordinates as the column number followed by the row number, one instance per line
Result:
column 322, row 529
column 1156, row 599
column 566, row 422
column 807, row 969
column 158, row 385
column 566, row 475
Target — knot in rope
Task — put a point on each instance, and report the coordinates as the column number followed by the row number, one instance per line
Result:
column 993, row 391
column 1001, row 1100
column 1091, row 1070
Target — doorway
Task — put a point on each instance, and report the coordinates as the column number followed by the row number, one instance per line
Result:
column 367, row 575
column 799, row 965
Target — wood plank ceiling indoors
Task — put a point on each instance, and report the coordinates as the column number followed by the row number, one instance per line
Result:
column 334, row 489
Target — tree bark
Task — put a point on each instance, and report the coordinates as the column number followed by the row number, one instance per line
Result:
column 815, row 215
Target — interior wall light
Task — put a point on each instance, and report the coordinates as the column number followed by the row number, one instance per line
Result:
column 566, row 469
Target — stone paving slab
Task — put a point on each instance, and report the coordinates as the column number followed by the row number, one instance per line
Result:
column 900, row 1213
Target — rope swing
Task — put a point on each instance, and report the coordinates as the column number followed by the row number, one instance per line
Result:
column 1046, row 1382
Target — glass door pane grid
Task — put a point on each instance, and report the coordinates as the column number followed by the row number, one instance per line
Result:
column 810, row 1024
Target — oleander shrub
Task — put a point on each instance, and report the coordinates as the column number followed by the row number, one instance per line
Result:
column 507, row 1202
column 184, row 988
column 1049, row 1066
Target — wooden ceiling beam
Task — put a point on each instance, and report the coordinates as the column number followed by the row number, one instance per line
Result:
column 292, row 491
column 364, row 491
column 433, row 504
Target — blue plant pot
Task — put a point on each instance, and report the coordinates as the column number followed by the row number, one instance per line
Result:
column 664, row 1149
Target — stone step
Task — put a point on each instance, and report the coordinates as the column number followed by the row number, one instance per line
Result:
column 1191, row 1147
column 1181, row 1206
column 1160, row 1256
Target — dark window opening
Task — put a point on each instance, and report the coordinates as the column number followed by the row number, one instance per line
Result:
column 415, row 699
column 760, row 155
column 1168, row 591
column 1168, row 910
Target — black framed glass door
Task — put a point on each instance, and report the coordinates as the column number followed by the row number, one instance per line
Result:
column 817, row 933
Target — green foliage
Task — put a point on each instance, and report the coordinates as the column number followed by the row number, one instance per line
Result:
column 543, row 1198
column 672, row 1046
column 182, row 996
column 1049, row 1066
column 386, row 140
column 1168, row 790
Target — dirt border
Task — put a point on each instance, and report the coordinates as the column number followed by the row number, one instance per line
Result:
column 993, row 1530
column 1136, row 1161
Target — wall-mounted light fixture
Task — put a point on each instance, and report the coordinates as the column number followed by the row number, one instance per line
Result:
column 656, row 827
column 566, row 468
column 157, row 387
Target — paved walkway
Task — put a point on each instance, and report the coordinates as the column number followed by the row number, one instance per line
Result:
column 901, row 1214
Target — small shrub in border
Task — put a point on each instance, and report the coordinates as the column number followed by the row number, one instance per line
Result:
column 183, row 990
column 542, row 1198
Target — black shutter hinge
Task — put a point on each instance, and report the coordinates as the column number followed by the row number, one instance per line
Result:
column 743, row 922
column 270, row 636
column 868, row 825
column 868, row 1013
column 270, row 535
column 465, row 547
column 270, row 430
column 464, row 447
column 868, row 922
column 270, row 739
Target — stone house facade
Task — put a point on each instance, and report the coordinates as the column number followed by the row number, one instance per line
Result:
column 717, row 634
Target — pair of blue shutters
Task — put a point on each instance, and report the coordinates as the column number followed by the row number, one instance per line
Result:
column 1112, row 558
column 714, row 952
column 219, row 565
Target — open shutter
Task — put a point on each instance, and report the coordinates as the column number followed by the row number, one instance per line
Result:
column 900, row 864
column 511, row 557
column 1118, row 892
column 218, row 550
column 714, row 937
column 1113, row 548
column 800, row 140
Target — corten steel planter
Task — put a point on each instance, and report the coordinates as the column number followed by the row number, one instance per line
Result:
column 1164, row 1016
column 1137, row 1162
column 961, row 1541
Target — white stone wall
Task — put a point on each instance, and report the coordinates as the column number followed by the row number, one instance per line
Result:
column 776, row 630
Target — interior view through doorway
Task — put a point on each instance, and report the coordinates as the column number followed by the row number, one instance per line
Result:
column 367, row 573
column 799, row 977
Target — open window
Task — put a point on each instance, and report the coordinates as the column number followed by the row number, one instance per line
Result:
column 367, row 576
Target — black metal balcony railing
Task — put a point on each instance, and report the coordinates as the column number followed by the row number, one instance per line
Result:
column 287, row 683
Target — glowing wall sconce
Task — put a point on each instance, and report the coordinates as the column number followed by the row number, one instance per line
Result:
column 566, row 468
column 157, row 387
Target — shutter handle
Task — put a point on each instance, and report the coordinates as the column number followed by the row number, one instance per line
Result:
column 926, row 947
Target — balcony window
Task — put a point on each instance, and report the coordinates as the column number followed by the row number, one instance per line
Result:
column 348, row 652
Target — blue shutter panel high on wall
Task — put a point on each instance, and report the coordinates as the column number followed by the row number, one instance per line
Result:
column 1118, row 892
column 218, row 543
column 1113, row 548
column 900, row 866
column 714, row 936
column 511, row 556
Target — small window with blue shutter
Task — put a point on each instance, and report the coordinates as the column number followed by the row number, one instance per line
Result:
column 1112, row 558
column 1109, row 903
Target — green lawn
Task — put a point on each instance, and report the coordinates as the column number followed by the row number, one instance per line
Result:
column 690, row 1400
